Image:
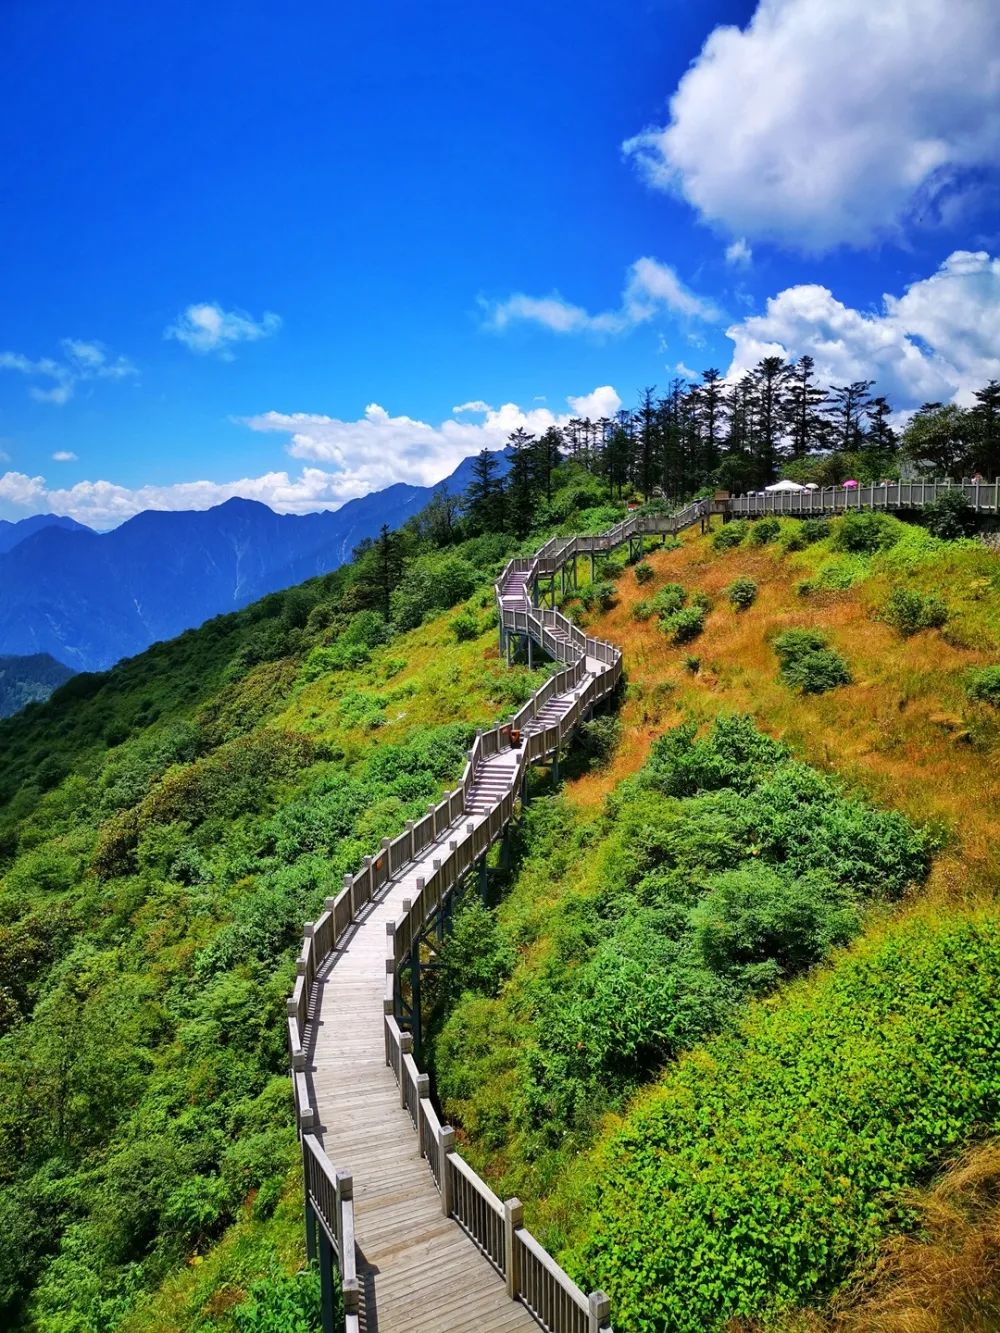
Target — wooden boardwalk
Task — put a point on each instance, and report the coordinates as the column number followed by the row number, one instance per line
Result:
column 421, row 1241
column 418, row 1269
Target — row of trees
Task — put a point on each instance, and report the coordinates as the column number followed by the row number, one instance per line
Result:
column 775, row 420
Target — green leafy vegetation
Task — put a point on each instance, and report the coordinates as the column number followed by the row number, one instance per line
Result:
column 984, row 685
column 764, row 1167
column 910, row 611
column 742, row 594
column 808, row 663
column 719, row 871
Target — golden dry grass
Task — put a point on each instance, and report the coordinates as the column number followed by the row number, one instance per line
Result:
column 904, row 731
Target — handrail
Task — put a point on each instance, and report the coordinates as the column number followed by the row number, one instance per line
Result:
column 984, row 496
column 532, row 1276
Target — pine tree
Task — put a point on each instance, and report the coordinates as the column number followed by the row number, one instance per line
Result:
column 708, row 402
column 770, row 378
column 546, row 455
column 847, row 407
column 881, row 435
column 520, row 487
column 484, row 501
column 802, row 409
column 388, row 550
column 986, row 416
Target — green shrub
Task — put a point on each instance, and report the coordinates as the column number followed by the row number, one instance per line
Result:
column 684, row 625
column 730, row 535
column 671, row 597
column 764, row 530
column 950, row 516
column 742, row 593
column 285, row 1305
column 824, row 1108
column 642, row 610
column 815, row 529
column 605, row 594
column 865, row 532
column 599, row 738
column 909, row 611
column 465, row 626
column 983, row 684
column 692, row 664
column 808, row 664
column 643, row 572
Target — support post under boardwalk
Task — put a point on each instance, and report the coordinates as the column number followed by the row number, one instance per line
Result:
column 483, row 880
column 326, row 1281
column 531, row 651
column 415, row 997
column 555, row 766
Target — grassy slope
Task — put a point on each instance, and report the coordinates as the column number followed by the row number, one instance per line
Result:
column 170, row 1017
column 904, row 733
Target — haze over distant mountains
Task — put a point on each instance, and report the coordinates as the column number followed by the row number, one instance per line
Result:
column 91, row 598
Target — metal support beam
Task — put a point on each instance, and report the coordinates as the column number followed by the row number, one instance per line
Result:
column 531, row 652
column 483, row 879
column 555, row 766
column 311, row 1230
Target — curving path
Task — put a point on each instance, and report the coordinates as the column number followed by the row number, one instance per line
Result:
column 433, row 1249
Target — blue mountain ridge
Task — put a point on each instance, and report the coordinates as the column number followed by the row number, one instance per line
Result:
column 11, row 534
column 89, row 599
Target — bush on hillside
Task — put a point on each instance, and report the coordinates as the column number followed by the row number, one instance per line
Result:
column 742, row 594
column 825, row 1109
column 865, row 532
column 909, row 611
column 684, row 625
column 599, row 738
column 670, row 598
column 764, row 530
column 950, row 516
column 983, row 684
column 465, row 626
column 815, row 529
column 730, row 535
column 808, row 664
column 643, row 572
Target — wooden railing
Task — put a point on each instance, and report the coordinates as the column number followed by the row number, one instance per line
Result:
column 983, row 496
column 532, row 1276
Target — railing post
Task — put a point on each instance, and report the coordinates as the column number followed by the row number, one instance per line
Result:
column 446, row 1145
column 598, row 1312
column 513, row 1217
column 423, row 1090
column 405, row 1048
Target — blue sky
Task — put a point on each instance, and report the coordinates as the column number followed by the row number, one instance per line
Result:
column 229, row 230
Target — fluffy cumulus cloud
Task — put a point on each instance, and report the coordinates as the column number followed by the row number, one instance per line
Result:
column 939, row 341
column 651, row 288
column 206, row 327
column 64, row 456
column 826, row 123
column 55, row 380
column 342, row 460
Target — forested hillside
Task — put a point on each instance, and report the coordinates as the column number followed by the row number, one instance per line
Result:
column 774, row 873
column 165, row 829
column 803, row 781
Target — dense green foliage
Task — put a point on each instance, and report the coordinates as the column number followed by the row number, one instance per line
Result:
column 910, row 611
column 808, row 663
column 165, row 829
column 721, row 869
column 766, row 1165
column 742, row 594
column 984, row 685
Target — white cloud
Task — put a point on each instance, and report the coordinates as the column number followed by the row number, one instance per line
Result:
column 686, row 372
column 940, row 340
column 206, row 327
column 739, row 254
column 650, row 289
column 82, row 361
column 356, row 457
column 476, row 405
column 826, row 123
column 63, row 456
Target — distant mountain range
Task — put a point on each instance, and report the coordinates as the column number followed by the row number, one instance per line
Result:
column 90, row 598
column 26, row 680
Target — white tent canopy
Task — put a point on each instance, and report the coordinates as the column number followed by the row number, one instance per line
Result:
column 785, row 486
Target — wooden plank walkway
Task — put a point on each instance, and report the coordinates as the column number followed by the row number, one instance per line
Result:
column 418, row 1269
